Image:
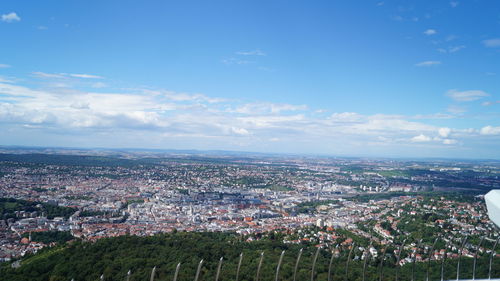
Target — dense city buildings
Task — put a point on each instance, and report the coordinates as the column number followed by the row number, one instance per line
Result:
column 106, row 195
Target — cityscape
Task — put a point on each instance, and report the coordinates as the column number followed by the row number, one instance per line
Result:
column 321, row 201
column 250, row 140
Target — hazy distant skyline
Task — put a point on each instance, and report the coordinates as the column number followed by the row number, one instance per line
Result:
column 348, row 78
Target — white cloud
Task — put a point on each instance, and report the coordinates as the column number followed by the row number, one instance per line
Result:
column 10, row 17
column 256, row 52
column 490, row 130
column 172, row 115
column 433, row 116
column 346, row 117
column 47, row 75
column 455, row 49
column 65, row 75
column 430, row 32
column 236, row 61
column 454, row 4
column 268, row 108
column 444, row 132
column 2, row 65
column 84, row 76
column 283, row 107
column 421, row 138
column 272, row 121
column 492, row 43
column 451, row 50
column 449, row 141
column 394, row 125
column 443, row 138
column 428, row 63
column 184, row 97
column 240, row 131
column 80, row 105
column 488, row 103
column 465, row 96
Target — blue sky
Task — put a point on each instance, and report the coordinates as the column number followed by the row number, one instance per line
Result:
column 357, row 78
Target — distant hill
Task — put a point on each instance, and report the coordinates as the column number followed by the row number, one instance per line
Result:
column 69, row 160
column 126, row 160
column 113, row 257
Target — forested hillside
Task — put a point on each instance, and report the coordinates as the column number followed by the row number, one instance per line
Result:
column 113, row 257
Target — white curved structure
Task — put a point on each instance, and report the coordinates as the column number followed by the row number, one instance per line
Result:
column 492, row 199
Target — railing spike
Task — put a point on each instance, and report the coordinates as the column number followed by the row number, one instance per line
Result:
column 177, row 271
column 348, row 259
column 399, row 258
column 198, row 271
column 128, row 275
column 296, row 265
column 239, row 266
column 279, row 265
column 444, row 260
column 492, row 255
column 152, row 278
column 460, row 256
column 330, row 265
column 259, row 266
column 314, row 263
column 218, row 269
column 414, row 260
column 475, row 258
column 367, row 257
column 382, row 264
column 431, row 253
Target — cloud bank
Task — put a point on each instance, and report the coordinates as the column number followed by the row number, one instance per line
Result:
column 167, row 119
